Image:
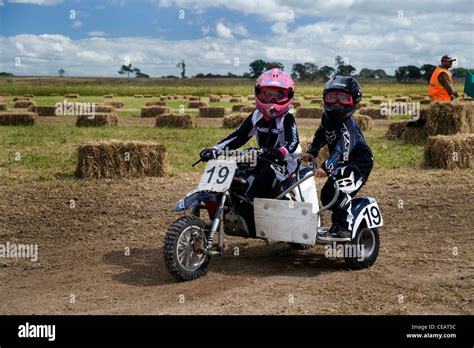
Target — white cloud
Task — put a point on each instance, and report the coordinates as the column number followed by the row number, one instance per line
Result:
column 37, row 2
column 98, row 33
column 241, row 30
column 280, row 28
column 223, row 31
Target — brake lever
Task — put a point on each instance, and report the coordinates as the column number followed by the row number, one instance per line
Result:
column 197, row 162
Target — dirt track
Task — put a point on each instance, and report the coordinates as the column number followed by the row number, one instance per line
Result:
column 82, row 252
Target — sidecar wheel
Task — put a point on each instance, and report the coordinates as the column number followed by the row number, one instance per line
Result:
column 369, row 239
column 183, row 248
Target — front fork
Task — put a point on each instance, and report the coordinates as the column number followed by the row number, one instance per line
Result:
column 217, row 224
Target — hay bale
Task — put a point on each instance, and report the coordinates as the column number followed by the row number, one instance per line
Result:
column 214, row 99
column 97, row 120
column 153, row 111
column 138, row 96
column 450, row 118
column 197, row 105
column 156, row 103
column 24, row 104
column 72, row 96
column 364, row 122
column 18, row 118
column 298, row 104
column 176, row 121
column 237, row 107
column 116, row 104
column 362, row 105
column 401, row 99
column 416, row 97
column 248, row 108
column 309, row 113
column 111, row 159
column 43, row 110
column 323, row 154
column 395, row 130
column 104, row 108
column 375, row 113
column 234, row 120
column 212, row 112
column 21, row 98
column 368, row 96
column 251, row 98
column 376, row 101
column 194, row 98
column 450, row 151
column 235, row 100
column 414, row 135
column 425, row 101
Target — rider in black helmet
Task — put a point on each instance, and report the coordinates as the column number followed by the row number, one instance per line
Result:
column 350, row 158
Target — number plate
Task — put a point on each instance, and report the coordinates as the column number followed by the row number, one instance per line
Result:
column 217, row 176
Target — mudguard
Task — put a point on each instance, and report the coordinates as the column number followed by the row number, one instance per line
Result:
column 193, row 198
column 366, row 209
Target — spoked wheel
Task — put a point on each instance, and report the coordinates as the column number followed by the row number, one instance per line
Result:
column 183, row 248
column 366, row 240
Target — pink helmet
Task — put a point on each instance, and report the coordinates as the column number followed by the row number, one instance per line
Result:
column 274, row 91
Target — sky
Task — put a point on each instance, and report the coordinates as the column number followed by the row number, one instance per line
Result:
column 94, row 38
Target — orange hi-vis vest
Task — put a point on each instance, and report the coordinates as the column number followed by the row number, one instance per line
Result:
column 436, row 91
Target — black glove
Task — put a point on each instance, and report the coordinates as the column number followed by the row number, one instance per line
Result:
column 208, row 154
column 273, row 155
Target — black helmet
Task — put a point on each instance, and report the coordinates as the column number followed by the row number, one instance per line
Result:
column 345, row 84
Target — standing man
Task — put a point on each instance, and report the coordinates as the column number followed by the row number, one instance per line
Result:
column 441, row 82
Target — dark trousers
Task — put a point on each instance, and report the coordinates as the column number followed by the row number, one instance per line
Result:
column 349, row 182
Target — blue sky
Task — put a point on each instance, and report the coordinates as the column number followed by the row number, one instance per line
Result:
column 214, row 35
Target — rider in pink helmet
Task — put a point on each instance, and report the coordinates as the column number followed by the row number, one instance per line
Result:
column 274, row 91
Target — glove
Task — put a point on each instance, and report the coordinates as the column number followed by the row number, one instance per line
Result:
column 208, row 154
column 274, row 155
column 329, row 166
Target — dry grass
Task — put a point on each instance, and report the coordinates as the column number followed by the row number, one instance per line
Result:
column 156, row 103
column 414, row 135
column 197, row 105
column 233, row 121
column 395, row 130
column 309, row 113
column 111, row 159
column 97, row 120
column 153, row 111
column 450, row 118
column 364, row 122
column 214, row 112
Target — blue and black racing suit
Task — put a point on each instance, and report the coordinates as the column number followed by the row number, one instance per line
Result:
column 350, row 161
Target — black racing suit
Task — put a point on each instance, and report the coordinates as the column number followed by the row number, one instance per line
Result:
column 281, row 133
column 350, row 161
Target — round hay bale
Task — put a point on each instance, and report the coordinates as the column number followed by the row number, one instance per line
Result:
column 395, row 130
column 112, row 159
column 414, row 135
column 450, row 151
column 235, row 100
column 72, row 96
column 234, row 120
column 364, row 122
column 43, row 111
column 197, row 105
column 156, row 103
column 153, row 111
column 97, row 120
column 18, row 118
column 214, row 112
column 450, row 118
column 116, row 104
column 25, row 104
column 176, row 121
column 309, row 112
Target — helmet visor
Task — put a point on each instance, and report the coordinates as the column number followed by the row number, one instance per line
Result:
column 270, row 95
column 332, row 97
